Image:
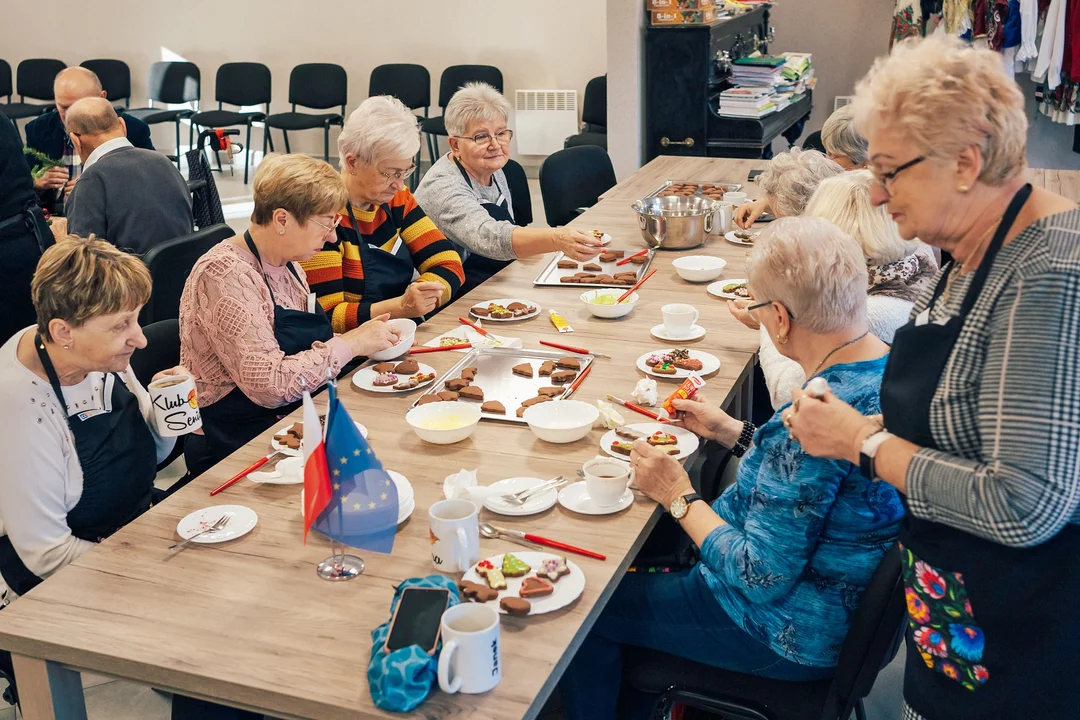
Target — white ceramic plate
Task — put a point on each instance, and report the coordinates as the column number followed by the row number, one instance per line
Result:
column 536, row 504
column 605, row 240
column 275, row 445
column 363, row 378
column 469, row 335
column 406, row 499
column 716, row 289
column 732, row 238
column 568, row 588
column 504, row 302
column 709, row 364
column 242, row 521
column 575, row 497
column 696, row 333
column 688, row 441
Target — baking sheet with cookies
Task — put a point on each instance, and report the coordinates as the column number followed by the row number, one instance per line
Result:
column 713, row 189
column 495, row 375
column 553, row 276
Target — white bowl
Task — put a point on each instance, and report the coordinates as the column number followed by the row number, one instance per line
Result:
column 562, row 421
column 467, row 415
column 609, row 311
column 699, row 268
column 407, row 330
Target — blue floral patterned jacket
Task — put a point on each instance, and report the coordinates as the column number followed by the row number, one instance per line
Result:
column 803, row 534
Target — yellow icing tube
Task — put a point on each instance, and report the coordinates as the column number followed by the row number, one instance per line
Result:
column 560, row 323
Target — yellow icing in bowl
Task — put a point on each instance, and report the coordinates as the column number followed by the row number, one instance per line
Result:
column 444, row 422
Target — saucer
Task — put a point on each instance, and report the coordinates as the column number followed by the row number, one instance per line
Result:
column 576, row 497
column 696, row 333
column 536, row 504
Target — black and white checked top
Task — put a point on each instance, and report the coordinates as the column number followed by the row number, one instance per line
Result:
column 1006, row 412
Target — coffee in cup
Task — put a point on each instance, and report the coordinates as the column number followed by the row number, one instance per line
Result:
column 606, row 480
column 176, row 405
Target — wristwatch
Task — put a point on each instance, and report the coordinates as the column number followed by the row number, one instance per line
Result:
column 681, row 505
column 868, row 452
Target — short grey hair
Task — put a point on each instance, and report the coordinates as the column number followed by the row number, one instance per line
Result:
column 382, row 127
column 792, row 177
column 840, row 137
column 475, row 102
column 91, row 116
column 813, row 269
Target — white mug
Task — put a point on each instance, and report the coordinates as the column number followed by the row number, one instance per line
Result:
column 454, row 534
column 176, row 406
column 736, row 197
column 606, row 480
column 725, row 216
column 471, row 657
column 679, row 319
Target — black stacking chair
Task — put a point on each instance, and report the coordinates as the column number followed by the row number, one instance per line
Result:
column 170, row 264
column 813, row 142
column 115, row 77
column 313, row 85
column 593, row 115
column 450, row 82
column 872, row 642
column 162, row 352
column 33, row 79
column 573, row 179
column 411, row 84
column 171, row 83
column 520, row 195
column 240, row 84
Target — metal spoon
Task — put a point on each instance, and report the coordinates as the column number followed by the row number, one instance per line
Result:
column 489, row 531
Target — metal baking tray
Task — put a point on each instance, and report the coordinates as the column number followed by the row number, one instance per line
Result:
column 551, row 273
column 732, row 186
column 494, row 376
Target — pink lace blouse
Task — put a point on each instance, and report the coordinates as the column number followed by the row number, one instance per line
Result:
column 227, row 331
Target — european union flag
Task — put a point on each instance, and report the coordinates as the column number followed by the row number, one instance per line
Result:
column 363, row 509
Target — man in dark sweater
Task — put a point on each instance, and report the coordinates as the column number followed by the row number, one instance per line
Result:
column 132, row 197
column 47, row 135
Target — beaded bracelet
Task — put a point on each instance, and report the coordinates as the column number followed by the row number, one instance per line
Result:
column 745, row 437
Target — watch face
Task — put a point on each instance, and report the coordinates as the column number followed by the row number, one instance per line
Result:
column 678, row 508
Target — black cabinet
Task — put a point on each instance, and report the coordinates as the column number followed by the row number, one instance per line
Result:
column 683, row 80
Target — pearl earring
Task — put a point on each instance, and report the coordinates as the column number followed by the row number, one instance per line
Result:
column 963, row 188
column 281, row 231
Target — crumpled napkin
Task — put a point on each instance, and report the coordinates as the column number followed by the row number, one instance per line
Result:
column 609, row 417
column 288, row 471
column 462, row 485
column 645, row 392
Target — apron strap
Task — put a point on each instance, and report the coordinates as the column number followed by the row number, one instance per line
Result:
column 983, row 271
column 501, row 202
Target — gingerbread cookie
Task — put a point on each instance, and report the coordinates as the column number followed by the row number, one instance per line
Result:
column 477, row 592
column 535, row 587
column 469, row 373
column 552, row 391
column 524, row 370
column 513, row 566
column 456, row 384
column 384, row 367
column 568, row 363
column 447, row 395
column 554, row 569
column 566, row 265
column 515, row 606
column 428, row 399
column 494, row 407
column 547, row 367
column 407, row 367
column 471, row 392
column 560, row 377
column 492, row 574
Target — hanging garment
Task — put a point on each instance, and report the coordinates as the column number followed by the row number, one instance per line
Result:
column 957, row 14
column 1052, row 50
column 907, row 21
column 1029, row 30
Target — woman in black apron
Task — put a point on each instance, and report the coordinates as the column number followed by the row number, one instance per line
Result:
column 479, row 268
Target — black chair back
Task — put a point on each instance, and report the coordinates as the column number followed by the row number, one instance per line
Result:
column 170, row 264
column 5, row 79
column 174, row 82
column 162, row 350
column 520, row 195
column 411, row 84
column 115, row 77
column 813, row 142
column 34, row 77
column 318, row 85
column 574, row 178
column 243, row 83
column 594, row 108
column 455, row 76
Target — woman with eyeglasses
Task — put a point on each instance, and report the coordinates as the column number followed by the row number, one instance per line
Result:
column 467, row 194
column 385, row 240
column 981, row 395
column 251, row 332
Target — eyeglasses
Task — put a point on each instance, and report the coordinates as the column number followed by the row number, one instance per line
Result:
column 755, row 306
column 884, row 179
column 328, row 228
column 504, row 137
column 397, row 175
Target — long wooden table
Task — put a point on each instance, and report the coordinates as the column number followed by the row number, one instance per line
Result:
column 249, row 624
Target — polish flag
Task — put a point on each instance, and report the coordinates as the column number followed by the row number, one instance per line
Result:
column 317, row 490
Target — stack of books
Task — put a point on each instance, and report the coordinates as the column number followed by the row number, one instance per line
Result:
column 757, row 70
column 748, row 102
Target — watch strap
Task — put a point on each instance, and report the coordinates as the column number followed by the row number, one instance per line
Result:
column 868, row 452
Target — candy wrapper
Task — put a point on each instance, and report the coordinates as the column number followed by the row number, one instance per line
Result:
column 645, row 392
column 609, row 418
column 687, row 390
column 560, row 322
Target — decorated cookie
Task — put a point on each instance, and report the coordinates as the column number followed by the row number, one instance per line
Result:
column 554, row 568
column 535, row 587
column 492, row 574
column 384, row 379
column 662, row 438
column 512, row 566
column 515, row 605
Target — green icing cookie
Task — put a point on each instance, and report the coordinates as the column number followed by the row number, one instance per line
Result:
column 513, row 567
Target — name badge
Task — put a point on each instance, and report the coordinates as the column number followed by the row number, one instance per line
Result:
column 922, row 318
column 311, row 302
column 84, row 416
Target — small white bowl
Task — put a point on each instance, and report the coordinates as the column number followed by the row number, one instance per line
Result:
column 608, row 311
column 562, row 421
column 407, row 330
column 699, row 268
column 466, row 414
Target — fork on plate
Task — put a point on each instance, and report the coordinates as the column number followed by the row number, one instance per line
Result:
column 220, row 523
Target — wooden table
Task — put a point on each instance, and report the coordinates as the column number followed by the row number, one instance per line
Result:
column 248, row 623
column 674, row 167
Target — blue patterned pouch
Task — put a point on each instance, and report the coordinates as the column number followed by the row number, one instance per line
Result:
column 401, row 680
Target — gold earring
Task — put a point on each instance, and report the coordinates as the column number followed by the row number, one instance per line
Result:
column 281, row 231
column 963, row 188
column 782, row 340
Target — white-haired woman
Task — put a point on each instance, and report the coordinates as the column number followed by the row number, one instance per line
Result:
column 843, row 143
column 981, row 394
column 787, row 551
column 898, row 271
column 787, row 185
column 384, row 239
column 467, row 194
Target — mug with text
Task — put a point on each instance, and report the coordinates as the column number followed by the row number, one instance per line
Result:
column 471, row 657
column 176, row 407
column 454, row 532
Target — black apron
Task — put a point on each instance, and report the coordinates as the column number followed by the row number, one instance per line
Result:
column 478, row 268
column 993, row 630
column 118, row 458
column 386, row 274
column 235, row 419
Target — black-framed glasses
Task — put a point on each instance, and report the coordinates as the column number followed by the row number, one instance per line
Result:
column 755, row 306
column 884, row 179
column 503, row 137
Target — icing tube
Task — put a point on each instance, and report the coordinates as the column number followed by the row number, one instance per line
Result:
column 689, row 387
column 560, row 323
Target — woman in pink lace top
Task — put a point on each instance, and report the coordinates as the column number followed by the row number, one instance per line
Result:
column 250, row 330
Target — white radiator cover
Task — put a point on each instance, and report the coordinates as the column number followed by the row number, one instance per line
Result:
column 543, row 120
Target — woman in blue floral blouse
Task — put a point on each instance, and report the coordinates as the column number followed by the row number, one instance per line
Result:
column 787, row 551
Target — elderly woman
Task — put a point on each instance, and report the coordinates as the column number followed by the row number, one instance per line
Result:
column 981, row 393
column 898, row 271
column 85, row 451
column 250, row 329
column 467, row 195
column 788, row 183
column 843, row 143
column 787, row 551
column 384, row 239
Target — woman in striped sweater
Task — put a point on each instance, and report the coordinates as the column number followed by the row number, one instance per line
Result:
column 385, row 241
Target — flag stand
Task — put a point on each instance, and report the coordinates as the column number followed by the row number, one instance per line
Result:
column 339, row 566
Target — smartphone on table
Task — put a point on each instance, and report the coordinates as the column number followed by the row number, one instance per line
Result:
column 752, row 177
column 418, row 619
